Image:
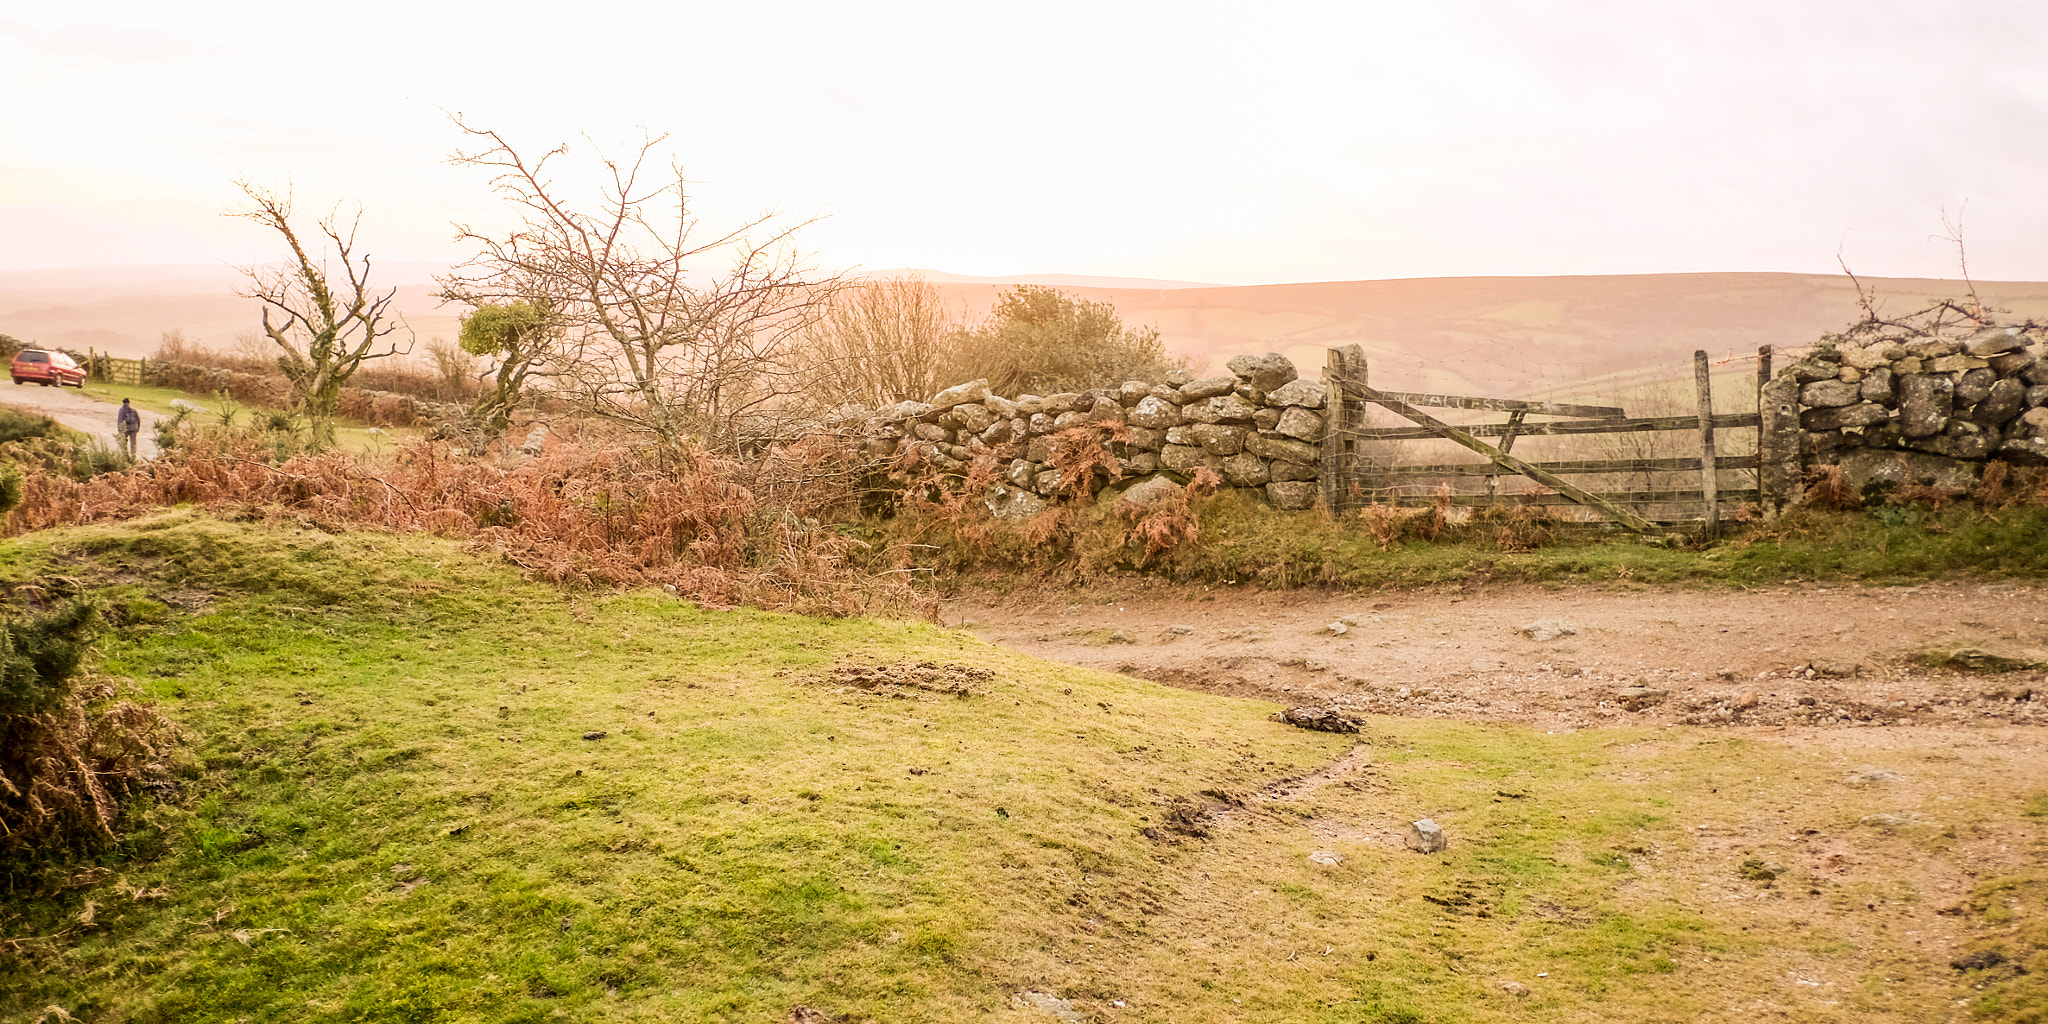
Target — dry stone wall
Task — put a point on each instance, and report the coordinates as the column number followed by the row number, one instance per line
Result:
column 1260, row 427
column 1925, row 410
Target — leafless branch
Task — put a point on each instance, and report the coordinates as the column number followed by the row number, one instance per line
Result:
column 645, row 334
column 1953, row 234
column 1865, row 299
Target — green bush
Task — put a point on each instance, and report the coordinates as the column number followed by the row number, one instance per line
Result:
column 38, row 657
column 16, row 425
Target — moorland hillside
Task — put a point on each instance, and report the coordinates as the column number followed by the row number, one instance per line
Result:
column 1486, row 335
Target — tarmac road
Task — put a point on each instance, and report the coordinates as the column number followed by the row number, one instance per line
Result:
column 80, row 410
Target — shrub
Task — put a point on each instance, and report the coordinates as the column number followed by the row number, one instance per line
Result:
column 1038, row 338
column 69, row 755
column 16, row 425
column 1827, row 488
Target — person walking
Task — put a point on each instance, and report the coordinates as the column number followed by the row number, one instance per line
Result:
column 129, row 422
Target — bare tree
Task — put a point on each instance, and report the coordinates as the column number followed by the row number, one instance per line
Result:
column 324, row 330
column 881, row 342
column 644, row 335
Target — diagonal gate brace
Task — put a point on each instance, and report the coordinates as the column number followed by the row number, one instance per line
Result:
column 1504, row 460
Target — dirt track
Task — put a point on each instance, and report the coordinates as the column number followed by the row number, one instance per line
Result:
column 1782, row 656
column 1858, row 839
column 79, row 411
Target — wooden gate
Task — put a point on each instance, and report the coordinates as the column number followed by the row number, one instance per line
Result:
column 1351, row 479
column 110, row 370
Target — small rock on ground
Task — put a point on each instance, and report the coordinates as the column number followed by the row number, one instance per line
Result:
column 1545, row 630
column 1426, row 836
column 1319, row 719
column 1060, row 1008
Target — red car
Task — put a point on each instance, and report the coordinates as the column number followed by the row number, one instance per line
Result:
column 47, row 368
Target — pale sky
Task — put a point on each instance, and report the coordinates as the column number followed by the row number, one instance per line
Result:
column 1228, row 143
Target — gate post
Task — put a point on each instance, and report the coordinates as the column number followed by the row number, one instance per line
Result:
column 1778, row 468
column 1710, row 474
column 1343, row 370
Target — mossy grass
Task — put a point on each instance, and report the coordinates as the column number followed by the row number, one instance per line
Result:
column 394, row 775
column 391, row 811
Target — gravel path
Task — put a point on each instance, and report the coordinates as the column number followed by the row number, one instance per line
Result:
column 79, row 410
column 1561, row 658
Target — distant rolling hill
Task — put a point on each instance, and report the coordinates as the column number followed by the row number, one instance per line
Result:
column 1513, row 336
column 125, row 310
column 1507, row 336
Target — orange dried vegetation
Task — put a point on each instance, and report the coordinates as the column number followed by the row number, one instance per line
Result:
column 1171, row 523
column 590, row 513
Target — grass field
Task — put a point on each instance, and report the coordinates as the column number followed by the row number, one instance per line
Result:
column 349, row 437
column 421, row 788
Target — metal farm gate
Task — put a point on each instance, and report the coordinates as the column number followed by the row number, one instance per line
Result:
column 1685, row 491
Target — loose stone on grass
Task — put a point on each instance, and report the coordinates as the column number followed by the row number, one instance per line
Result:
column 1425, row 836
column 1318, row 719
column 1052, row 1004
column 1889, row 822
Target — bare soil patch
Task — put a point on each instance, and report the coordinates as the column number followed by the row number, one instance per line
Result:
column 1826, row 657
column 1879, row 868
column 1876, row 868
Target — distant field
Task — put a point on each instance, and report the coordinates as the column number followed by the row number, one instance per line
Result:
column 1511, row 336
column 1506, row 336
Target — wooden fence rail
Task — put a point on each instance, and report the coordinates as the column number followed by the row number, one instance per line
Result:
column 1616, row 426
column 1350, row 479
column 1575, row 467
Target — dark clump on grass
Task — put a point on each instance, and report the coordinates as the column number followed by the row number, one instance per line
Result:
column 70, row 755
column 2007, row 963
